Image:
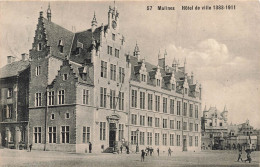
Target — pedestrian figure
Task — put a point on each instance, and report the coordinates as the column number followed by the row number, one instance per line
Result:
column 151, row 151
column 158, row 151
column 169, row 152
column 248, row 157
column 142, row 155
column 30, row 146
column 121, row 148
column 90, row 147
column 240, row 156
column 127, row 149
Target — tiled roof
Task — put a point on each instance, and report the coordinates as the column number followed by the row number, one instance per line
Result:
column 54, row 33
column 13, row 69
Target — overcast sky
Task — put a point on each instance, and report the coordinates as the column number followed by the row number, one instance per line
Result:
column 221, row 47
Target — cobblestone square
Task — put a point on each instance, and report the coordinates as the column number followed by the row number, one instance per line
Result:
column 51, row 158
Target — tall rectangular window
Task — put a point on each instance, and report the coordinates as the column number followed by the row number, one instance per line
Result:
column 171, row 139
column 196, row 141
column 157, row 103
column 142, row 120
column 88, row 134
column 121, row 132
column 113, row 72
column 157, row 122
column 37, row 134
column 165, row 139
column 102, row 130
column 158, row 82
column 185, row 109
column 117, row 53
column 165, row 105
column 178, row 108
column 109, row 50
column 84, row 134
column 150, row 121
column 61, row 97
column 38, row 70
column 196, row 127
column 184, row 125
column 142, row 100
column 149, row 138
column 85, row 97
column 8, row 110
column 113, row 36
column 157, row 139
column 121, row 74
column 133, row 119
column 178, row 125
column 103, row 97
column 112, row 99
column 150, row 101
column 191, row 110
column 141, row 138
column 164, row 123
column 65, row 134
column 172, row 124
column 103, row 69
column 178, row 140
column 134, row 98
column 38, row 99
column 133, row 137
column 191, row 127
column 190, row 141
column 121, row 100
column 52, row 134
column 172, row 106
column 51, row 98
column 10, row 92
column 196, row 111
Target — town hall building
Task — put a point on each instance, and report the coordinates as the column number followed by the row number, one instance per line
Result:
column 86, row 87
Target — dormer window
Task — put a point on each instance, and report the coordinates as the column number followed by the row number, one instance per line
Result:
column 158, row 82
column 65, row 77
column 173, row 86
column 186, row 90
column 79, row 47
column 60, row 46
column 39, row 46
column 143, row 77
column 10, row 92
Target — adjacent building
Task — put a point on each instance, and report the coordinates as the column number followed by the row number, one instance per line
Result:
column 86, row 87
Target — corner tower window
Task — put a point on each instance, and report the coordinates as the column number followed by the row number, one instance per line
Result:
column 39, row 46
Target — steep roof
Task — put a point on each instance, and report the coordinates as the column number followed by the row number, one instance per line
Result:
column 14, row 68
column 54, row 33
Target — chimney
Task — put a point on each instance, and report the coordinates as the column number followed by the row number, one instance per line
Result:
column 25, row 57
column 10, row 59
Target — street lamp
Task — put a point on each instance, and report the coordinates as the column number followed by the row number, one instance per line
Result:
column 137, row 147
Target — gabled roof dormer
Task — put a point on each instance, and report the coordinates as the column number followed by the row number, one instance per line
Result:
column 143, row 72
column 158, row 77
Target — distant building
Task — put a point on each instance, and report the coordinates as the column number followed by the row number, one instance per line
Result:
column 14, row 101
column 242, row 136
column 214, row 128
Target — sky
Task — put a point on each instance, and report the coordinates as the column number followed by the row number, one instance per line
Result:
column 221, row 47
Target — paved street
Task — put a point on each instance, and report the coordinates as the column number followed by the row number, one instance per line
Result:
column 50, row 158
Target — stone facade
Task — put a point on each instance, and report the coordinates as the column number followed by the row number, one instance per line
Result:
column 85, row 87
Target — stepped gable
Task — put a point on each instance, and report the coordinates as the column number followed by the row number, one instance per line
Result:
column 14, row 68
column 55, row 33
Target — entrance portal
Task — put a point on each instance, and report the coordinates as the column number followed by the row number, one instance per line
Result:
column 112, row 134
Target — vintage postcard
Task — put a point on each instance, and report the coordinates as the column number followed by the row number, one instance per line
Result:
column 130, row 83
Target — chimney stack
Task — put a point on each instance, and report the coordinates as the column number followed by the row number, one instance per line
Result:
column 25, row 57
column 10, row 59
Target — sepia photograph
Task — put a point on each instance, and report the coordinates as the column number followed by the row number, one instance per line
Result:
column 130, row 83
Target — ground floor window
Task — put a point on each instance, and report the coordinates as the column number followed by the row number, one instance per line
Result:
column 165, row 139
column 149, row 138
column 141, row 138
column 86, row 134
column 52, row 134
column 37, row 134
column 190, row 140
column 171, row 139
column 178, row 140
column 157, row 139
column 196, row 141
column 133, row 137
column 102, row 131
column 65, row 134
column 121, row 132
